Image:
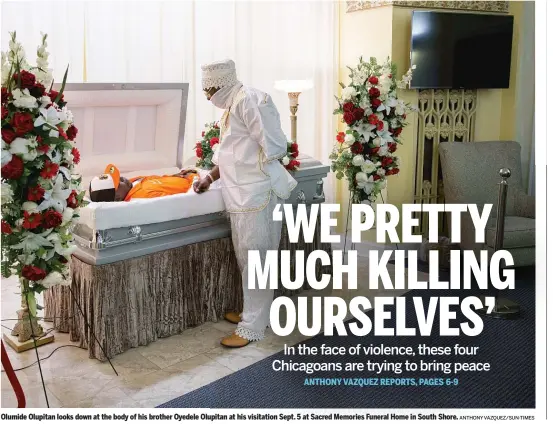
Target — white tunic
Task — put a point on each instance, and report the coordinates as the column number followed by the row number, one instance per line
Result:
column 252, row 142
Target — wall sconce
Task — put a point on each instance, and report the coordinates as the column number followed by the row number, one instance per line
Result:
column 294, row 88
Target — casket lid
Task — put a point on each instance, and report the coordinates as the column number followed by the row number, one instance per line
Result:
column 310, row 167
column 134, row 126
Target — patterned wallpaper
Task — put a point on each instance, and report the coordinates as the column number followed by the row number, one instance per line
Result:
column 472, row 5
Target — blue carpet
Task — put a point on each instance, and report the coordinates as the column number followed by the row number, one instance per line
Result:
column 509, row 347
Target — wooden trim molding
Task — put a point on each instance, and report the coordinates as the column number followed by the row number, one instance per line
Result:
column 471, row 5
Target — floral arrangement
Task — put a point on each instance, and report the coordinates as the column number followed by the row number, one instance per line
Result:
column 40, row 196
column 208, row 145
column 210, row 142
column 374, row 118
column 290, row 161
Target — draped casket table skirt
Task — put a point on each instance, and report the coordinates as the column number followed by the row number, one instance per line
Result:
column 135, row 301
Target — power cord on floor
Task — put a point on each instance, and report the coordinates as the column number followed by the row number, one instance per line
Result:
column 38, row 338
column 43, row 359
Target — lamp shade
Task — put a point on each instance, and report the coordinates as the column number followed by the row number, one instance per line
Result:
column 293, row 86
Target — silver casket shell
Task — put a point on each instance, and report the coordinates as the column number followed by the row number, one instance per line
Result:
column 108, row 245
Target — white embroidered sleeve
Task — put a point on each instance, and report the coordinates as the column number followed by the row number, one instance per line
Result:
column 263, row 123
column 215, row 157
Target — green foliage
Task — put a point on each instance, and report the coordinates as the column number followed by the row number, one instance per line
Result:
column 60, row 94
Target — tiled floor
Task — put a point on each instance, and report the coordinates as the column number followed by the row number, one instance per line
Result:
column 149, row 375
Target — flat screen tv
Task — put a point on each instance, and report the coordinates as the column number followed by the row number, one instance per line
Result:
column 461, row 50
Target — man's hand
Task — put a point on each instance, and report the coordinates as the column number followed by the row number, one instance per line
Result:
column 185, row 172
column 202, row 185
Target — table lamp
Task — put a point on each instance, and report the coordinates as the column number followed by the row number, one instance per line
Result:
column 294, row 88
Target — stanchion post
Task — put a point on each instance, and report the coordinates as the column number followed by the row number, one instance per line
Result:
column 501, row 207
column 503, row 308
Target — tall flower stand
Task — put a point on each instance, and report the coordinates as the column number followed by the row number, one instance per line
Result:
column 27, row 332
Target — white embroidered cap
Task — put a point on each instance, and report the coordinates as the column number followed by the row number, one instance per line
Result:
column 102, row 182
column 103, row 187
column 219, row 74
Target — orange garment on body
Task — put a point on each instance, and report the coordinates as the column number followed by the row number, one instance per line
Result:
column 159, row 186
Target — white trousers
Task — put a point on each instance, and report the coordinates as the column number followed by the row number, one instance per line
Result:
column 255, row 231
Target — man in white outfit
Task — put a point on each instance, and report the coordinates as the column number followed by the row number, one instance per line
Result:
column 252, row 181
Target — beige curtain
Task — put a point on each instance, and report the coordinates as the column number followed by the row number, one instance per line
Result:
column 167, row 41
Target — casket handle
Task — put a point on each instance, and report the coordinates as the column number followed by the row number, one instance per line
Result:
column 136, row 231
column 319, row 194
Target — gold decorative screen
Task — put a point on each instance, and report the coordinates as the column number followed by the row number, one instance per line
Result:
column 445, row 116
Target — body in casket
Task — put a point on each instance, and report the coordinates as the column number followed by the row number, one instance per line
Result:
column 149, row 268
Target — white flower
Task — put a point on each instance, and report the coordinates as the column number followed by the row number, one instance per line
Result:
column 27, row 258
column 42, row 56
column 67, row 215
column 25, row 147
column 66, row 117
column 366, row 132
column 400, row 107
column 285, row 160
column 17, row 53
column 48, row 116
column 383, row 151
column 348, row 93
column 6, row 154
column 68, row 114
column 360, row 76
column 349, row 139
column 365, row 103
column 75, row 183
column 31, row 242
column 54, row 155
column 15, row 46
column 368, row 188
column 52, row 279
column 381, row 172
column 385, row 83
column 30, row 207
column 406, row 79
column 57, row 197
column 6, row 194
column 364, row 182
column 45, row 101
column 5, row 69
column 58, row 246
column 384, row 134
column 358, row 160
column 368, row 167
column 41, row 62
column 361, row 178
column 23, row 99
column 389, row 103
column 380, row 185
column 68, row 156
column 44, row 77
column 346, row 154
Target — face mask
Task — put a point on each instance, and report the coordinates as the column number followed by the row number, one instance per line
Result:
column 223, row 98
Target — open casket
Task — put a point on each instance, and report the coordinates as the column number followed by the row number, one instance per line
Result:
column 149, row 268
